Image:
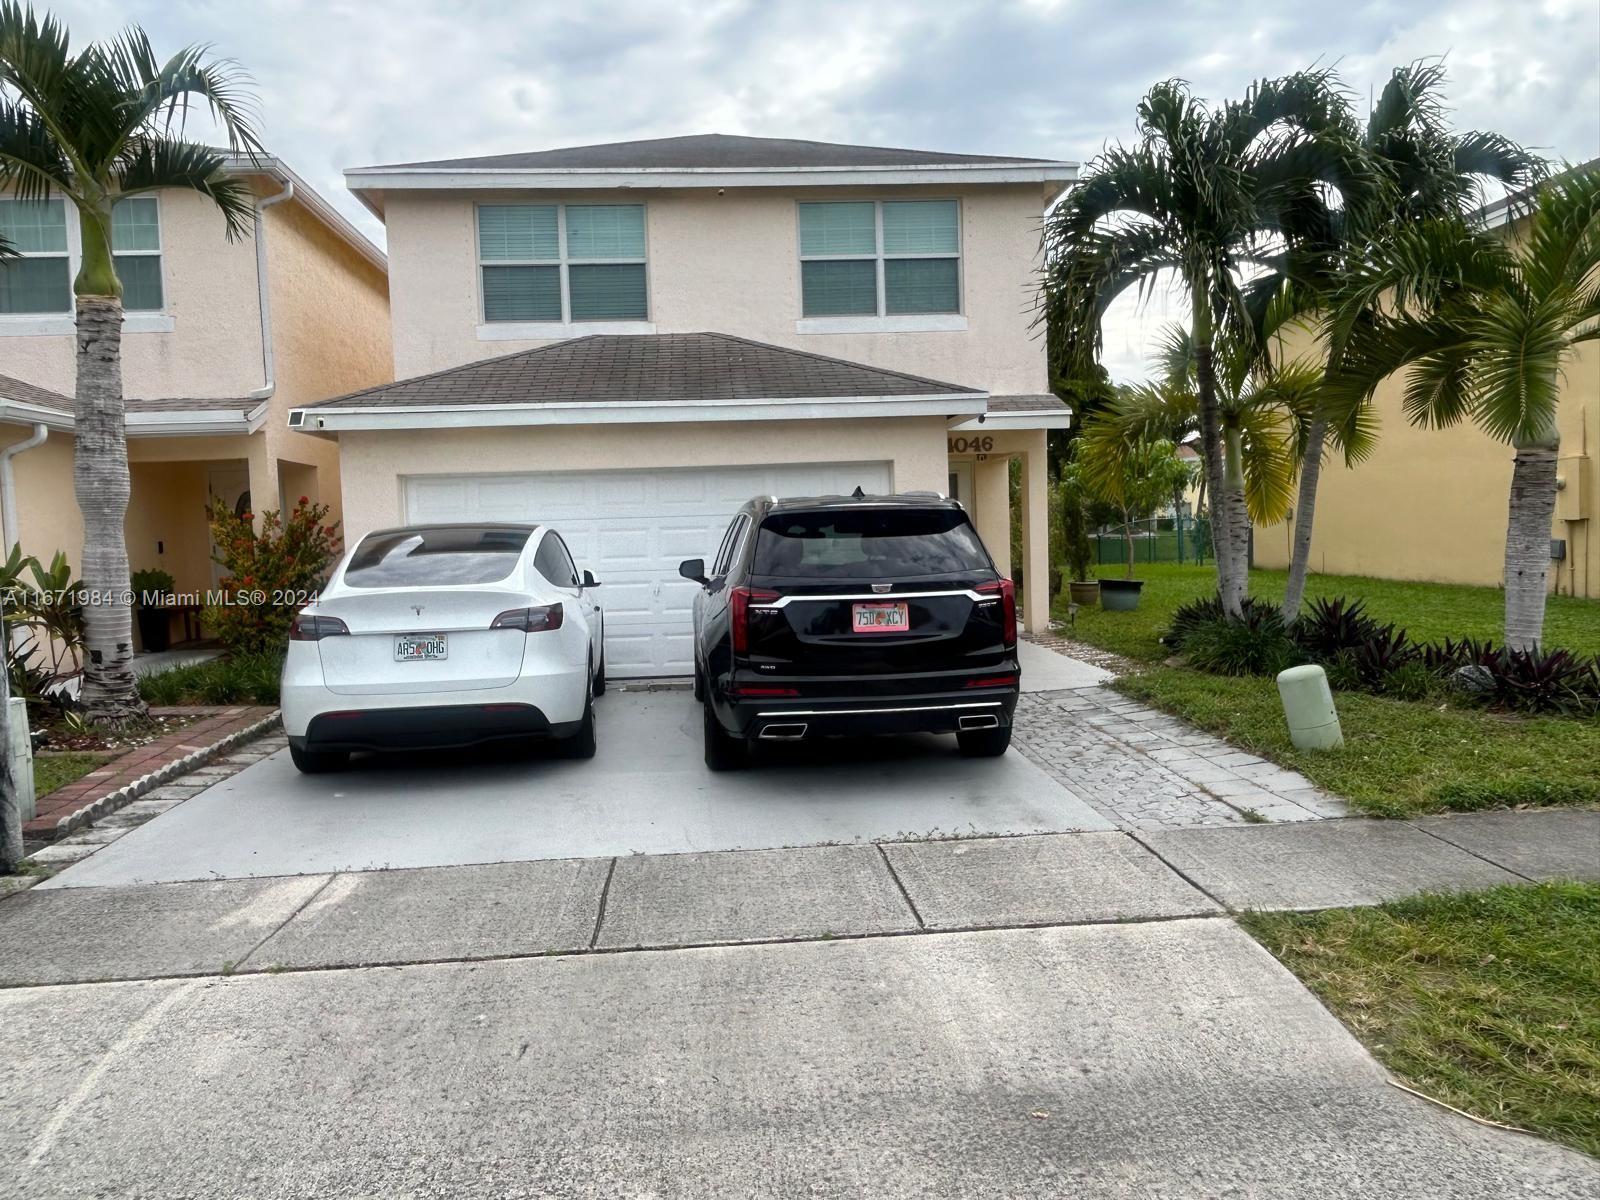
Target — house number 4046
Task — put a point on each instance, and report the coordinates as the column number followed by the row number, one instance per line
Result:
column 970, row 445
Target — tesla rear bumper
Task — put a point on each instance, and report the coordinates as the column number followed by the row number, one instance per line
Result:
column 440, row 727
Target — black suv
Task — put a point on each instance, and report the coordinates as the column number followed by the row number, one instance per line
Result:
column 853, row 615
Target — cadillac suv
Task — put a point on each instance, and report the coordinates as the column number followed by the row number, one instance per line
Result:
column 851, row 615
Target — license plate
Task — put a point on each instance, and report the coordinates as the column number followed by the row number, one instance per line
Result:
column 881, row 618
column 413, row 647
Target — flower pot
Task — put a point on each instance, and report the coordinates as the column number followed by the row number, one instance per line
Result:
column 1120, row 595
column 154, row 633
column 1085, row 591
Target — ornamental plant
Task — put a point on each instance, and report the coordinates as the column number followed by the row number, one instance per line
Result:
column 270, row 575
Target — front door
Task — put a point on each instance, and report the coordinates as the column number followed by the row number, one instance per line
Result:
column 231, row 485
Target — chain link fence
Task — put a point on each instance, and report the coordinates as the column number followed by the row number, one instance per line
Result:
column 1182, row 539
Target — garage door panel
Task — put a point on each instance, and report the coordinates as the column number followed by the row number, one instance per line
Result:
column 632, row 529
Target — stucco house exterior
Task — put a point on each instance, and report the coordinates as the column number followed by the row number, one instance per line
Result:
column 630, row 340
column 220, row 341
column 1431, row 504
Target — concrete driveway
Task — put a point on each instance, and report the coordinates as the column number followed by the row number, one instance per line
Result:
column 647, row 791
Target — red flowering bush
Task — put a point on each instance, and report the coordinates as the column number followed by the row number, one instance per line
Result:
column 270, row 575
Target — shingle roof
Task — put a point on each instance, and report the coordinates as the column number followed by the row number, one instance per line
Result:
column 714, row 150
column 1027, row 404
column 647, row 368
column 27, row 393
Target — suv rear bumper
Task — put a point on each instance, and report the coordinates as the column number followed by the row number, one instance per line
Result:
column 791, row 719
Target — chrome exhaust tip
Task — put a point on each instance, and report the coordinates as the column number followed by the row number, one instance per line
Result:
column 783, row 733
column 983, row 721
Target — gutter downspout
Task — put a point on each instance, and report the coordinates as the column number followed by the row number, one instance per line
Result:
column 264, row 300
column 8, row 490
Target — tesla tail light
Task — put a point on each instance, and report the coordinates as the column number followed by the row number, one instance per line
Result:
column 1008, row 607
column 307, row 628
column 530, row 620
column 739, row 601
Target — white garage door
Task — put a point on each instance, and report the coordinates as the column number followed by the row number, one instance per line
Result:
column 632, row 529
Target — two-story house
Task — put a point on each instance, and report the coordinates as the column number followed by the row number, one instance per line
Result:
column 627, row 341
column 220, row 341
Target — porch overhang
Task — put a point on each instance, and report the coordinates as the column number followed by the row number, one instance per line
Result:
column 1017, row 412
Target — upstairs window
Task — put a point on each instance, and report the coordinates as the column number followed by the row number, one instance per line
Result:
column 41, row 280
column 136, row 252
column 562, row 262
column 880, row 258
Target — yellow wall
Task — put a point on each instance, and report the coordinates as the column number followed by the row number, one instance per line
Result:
column 1431, row 504
column 47, row 510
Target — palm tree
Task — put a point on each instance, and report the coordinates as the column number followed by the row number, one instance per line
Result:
column 1481, row 327
column 1212, row 195
column 95, row 127
column 1265, row 412
column 1427, row 171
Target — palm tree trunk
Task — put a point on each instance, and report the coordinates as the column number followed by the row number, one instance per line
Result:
column 1533, row 505
column 1235, row 584
column 1304, row 512
column 100, row 477
column 1127, row 538
column 1211, row 445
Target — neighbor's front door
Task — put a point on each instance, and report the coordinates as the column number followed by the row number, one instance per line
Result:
column 231, row 485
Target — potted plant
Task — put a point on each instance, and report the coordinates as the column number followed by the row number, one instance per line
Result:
column 1136, row 478
column 1083, row 587
column 152, row 591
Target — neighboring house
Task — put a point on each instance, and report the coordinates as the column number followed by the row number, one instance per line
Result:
column 220, row 340
column 630, row 340
column 1432, row 504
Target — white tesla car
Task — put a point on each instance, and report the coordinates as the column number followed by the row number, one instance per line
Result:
column 438, row 636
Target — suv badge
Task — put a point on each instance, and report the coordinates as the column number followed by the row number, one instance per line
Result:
column 882, row 587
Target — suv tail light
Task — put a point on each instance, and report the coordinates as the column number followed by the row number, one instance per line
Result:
column 307, row 628
column 739, row 601
column 1008, row 607
column 530, row 620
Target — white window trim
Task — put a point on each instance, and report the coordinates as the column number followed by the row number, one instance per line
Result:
column 509, row 331
column 884, row 321
column 148, row 320
column 160, row 252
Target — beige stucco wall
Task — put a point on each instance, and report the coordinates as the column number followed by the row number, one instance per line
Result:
column 1431, row 504
column 375, row 464
column 730, row 263
column 47, row 510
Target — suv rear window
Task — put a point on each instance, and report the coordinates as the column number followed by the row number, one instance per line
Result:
column 427, row 557
column 845, row 543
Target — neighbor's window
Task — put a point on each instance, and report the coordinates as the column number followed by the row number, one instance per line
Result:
column 41, row 280
column 562, row 262
column 880, row 258
column 452, row 554
column 136, row 252
column 842, row 543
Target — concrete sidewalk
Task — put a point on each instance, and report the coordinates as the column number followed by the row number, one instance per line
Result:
column 565, row 906
column 1169, row 1059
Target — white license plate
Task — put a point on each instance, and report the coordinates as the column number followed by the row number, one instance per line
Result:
column 881, row 618
column 413, row 647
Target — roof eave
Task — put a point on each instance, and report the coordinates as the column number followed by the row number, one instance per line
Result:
column 330, row 420
column 275, row 168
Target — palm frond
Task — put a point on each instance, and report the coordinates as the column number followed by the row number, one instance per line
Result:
column 1268, row 456
column 1516, row 363
column 163, row 162
column 157, row 96
column 31, row 162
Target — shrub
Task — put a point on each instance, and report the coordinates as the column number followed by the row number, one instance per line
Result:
column 1538, row 681
column 1409, row 681
column 1255, row 644
column 237, row 679
column 1191, row 615
column 152, row 583
column 1328, row 627
column 44, row 624
column 1383, row 651
column 271, row 575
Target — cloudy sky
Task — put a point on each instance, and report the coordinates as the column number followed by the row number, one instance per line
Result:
column 347, row 83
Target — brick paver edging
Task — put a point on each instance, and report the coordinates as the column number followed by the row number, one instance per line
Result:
column 129, row 776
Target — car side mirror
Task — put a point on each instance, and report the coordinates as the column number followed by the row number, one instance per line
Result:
column 694, row 569
column 589, row 580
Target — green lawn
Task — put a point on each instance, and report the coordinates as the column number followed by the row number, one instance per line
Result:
column 51, row 771
column 1399, row 758
column 1489, row 1002
column 1430, row 611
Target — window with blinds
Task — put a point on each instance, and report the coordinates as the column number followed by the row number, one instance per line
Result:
column 40, row 280
column 136, row 252
column 562, row 262
column 880, row 258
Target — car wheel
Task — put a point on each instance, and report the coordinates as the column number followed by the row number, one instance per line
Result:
column 600, row 676
column 317, row 762
column 984, row 743
column 583, row 743
column 724, row 752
